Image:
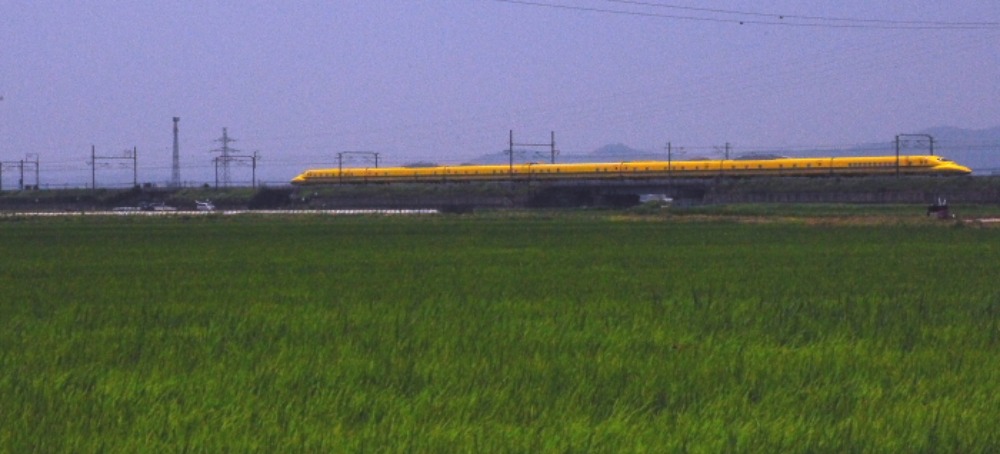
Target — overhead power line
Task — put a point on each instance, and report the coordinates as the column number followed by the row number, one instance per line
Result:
column 798, row 17
column 766, row 19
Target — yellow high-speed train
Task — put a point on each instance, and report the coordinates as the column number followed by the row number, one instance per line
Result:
column 878, row 165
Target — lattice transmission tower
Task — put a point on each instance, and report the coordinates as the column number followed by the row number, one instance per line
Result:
column 226, row 155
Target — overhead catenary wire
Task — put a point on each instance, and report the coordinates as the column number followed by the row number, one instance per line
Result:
column 783, row 16
column 784, row 20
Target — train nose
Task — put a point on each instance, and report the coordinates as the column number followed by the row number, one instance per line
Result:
column 957, row 169
column 299, row 179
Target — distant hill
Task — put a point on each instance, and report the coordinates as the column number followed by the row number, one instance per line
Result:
column 622, row 152
column 976, row 148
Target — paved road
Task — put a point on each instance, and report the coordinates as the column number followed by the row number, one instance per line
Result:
column 218, row 212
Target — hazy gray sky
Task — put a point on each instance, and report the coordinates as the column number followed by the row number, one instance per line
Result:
column 445, row 80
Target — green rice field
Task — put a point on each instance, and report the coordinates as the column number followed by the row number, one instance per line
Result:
column 510, row 332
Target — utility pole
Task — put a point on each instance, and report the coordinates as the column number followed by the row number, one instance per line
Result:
column 36, row 168
column 340, row 160
column 132, row 155
column 670, row 163
column 553, row 148
column 930, row 140
column 175, row 173
column 135, row 167
column 725, row 150
column 510, row 155
column 670, row 159
column 510, row 150
column 238, row 159
column 253, row 171
column 20, row 164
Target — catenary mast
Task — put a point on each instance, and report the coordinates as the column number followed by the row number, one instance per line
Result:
column 175, row 174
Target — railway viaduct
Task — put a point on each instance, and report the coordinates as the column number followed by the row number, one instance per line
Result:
column 616, row 193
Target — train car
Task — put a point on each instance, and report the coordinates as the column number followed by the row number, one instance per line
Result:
column 878, row 165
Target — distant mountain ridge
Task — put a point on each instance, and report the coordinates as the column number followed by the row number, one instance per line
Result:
column 975, row 148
